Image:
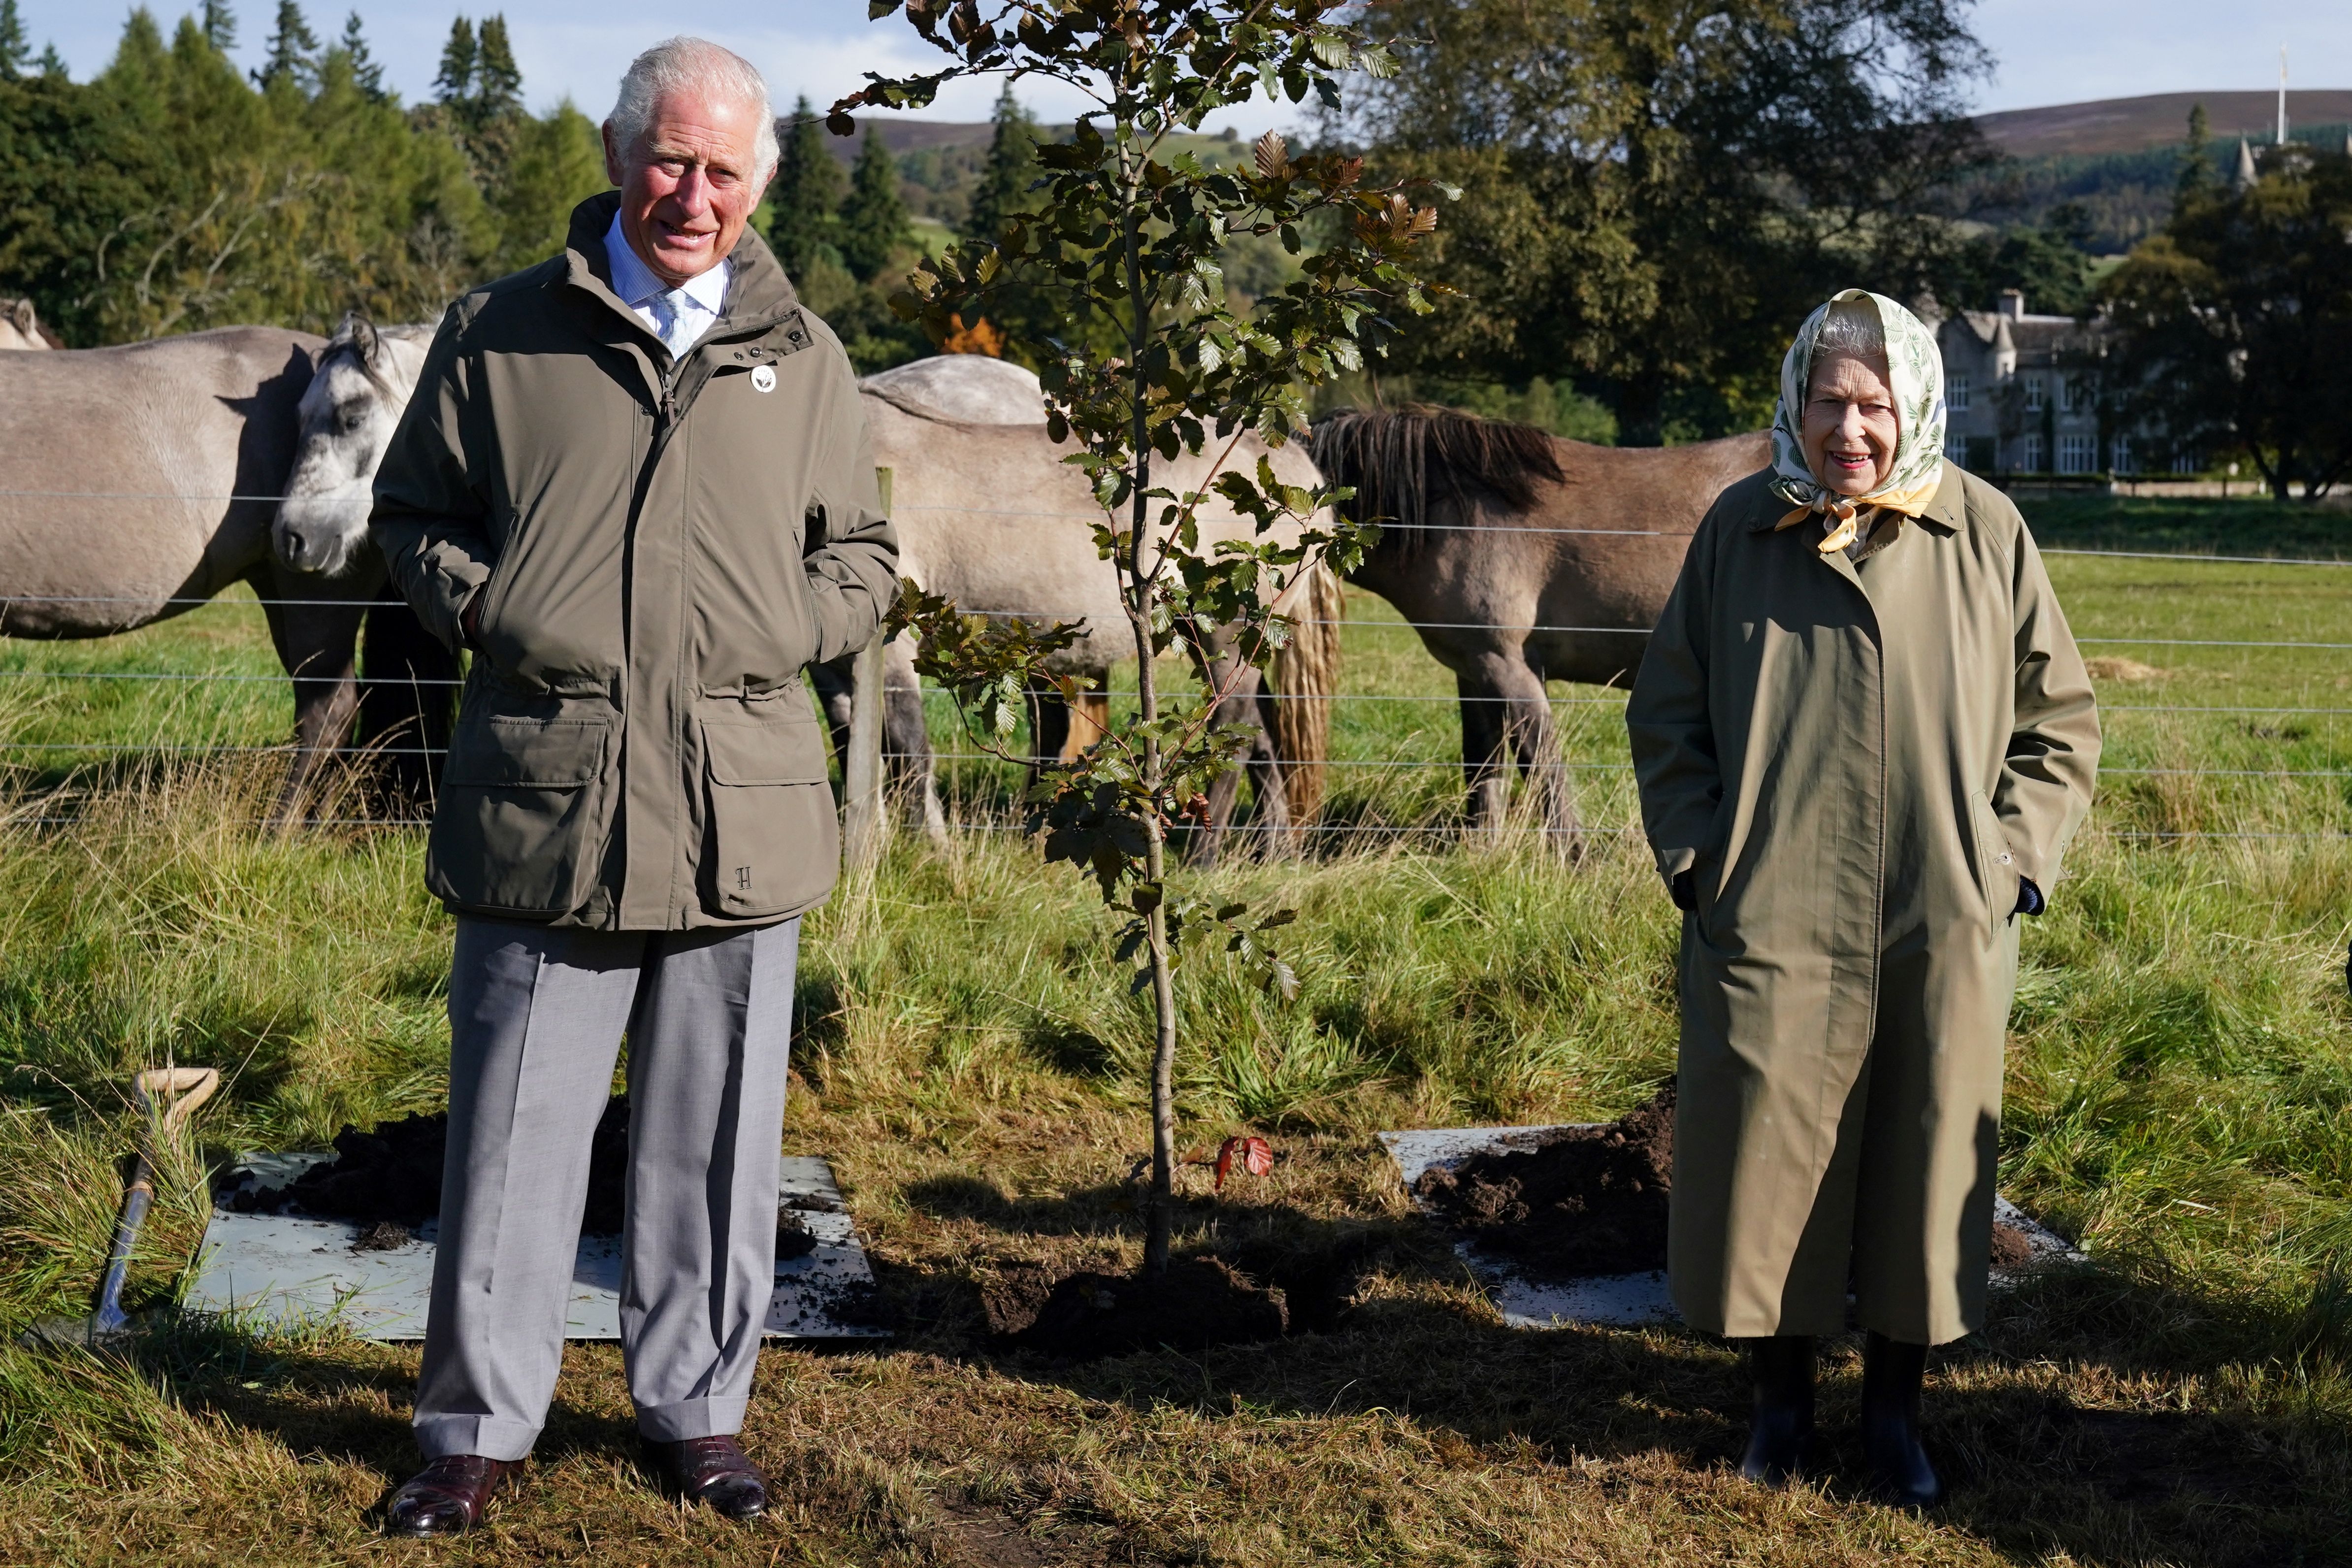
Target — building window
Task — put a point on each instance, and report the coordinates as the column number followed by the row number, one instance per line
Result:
column 2034, row 394
column 2029, row 458
column 1955, row 393
column 2070, row 396
column 2119, row 456
column 2184, row 462
column 2077, row 454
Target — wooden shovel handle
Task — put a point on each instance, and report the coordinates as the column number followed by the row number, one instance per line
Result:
column 187, row 1087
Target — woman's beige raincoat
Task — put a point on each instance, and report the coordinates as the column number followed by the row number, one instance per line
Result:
column 1858, row 762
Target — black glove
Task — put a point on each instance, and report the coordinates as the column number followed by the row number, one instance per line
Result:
column 1684, row 890
column 2029, row 900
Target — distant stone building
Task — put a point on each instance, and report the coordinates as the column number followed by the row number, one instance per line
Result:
column 2023, row 392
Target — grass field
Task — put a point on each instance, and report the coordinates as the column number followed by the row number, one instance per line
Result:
column 2179, row 1097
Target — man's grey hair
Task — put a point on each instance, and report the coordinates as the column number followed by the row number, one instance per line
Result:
column 692, row 66
column 1851, row 327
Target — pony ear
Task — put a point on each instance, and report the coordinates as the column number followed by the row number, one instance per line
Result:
column 360, row 333
column 20, row 316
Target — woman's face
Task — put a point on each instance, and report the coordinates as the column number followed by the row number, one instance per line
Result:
column 1850, row 427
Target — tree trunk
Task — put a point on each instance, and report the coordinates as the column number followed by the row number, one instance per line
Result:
column 1142, row 569
column 1642, row 411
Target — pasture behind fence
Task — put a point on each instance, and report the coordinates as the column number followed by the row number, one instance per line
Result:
column 959, row 762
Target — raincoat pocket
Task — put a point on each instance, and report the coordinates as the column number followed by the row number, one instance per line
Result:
column 774, row 845
column 1997, row 872
column 523, row 816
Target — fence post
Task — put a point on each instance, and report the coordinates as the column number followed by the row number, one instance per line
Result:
column 864, row 819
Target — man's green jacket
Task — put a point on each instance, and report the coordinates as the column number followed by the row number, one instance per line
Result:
column 661, row 549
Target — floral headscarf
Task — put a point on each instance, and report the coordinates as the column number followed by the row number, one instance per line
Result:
column 1915, row 369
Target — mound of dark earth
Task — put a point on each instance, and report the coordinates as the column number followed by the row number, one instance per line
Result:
column 389, row 1180
column 1591, row 1201
column 1198, row 1302
column 1587, row 1201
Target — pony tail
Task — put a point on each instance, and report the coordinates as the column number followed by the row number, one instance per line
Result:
column 1303, row 675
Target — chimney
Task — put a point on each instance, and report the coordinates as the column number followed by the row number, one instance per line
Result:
column 2013, row 304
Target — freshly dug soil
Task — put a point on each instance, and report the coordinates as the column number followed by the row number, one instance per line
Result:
column 384, row 1235
column 1592, row 1200
column 2011, row 1247
column 793, row 1238
column 1588, row 1201
column 1198, row 1302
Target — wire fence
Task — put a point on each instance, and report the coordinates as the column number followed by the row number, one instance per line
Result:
column 153, row 606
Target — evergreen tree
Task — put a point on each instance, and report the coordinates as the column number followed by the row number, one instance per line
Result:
column 874, row 219
column 220, row 25
column 2197, row 175
column 550, row 166
column 52, row 64
column 806, row 199
column 293, row 50
column 455, row 84
column 1010, row 168
column 15, row 53
column 367, row 75
column 498, row 84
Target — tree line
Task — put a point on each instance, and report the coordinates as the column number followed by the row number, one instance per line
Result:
column 173, row 192
column 1653, row 192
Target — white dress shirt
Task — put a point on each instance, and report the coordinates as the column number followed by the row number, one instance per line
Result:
column 678, row 316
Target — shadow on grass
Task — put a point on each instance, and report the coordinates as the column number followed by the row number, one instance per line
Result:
column 2058, row 1429
column 328, row 1398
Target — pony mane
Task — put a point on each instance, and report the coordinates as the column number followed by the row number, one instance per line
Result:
column 1398, row 459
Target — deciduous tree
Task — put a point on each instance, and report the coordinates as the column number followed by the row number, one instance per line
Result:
column 2234, row 325
column 1656, row 190
column 1135, row 230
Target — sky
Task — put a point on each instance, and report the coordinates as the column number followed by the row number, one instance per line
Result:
column 2048, row 51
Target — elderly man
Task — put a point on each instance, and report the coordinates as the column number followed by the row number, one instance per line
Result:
column 634, row 483
column 1863, row 737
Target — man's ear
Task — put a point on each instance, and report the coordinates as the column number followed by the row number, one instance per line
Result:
column 613, row 168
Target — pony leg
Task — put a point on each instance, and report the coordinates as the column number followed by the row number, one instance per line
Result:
column 1534, row 740
column 1240, row 707
column 1483, row 747
column 408, row 705
column 316, row 643
column 908, row 741
column 1049, row 727
column 834, row 684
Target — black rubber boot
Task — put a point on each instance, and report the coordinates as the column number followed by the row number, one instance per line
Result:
column 1891, row 1374
column 1783, row 1428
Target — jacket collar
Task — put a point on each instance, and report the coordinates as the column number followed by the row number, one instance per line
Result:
column 759, row 295
column 1947, row 514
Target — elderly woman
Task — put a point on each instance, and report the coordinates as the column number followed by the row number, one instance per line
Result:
column 1863, row 736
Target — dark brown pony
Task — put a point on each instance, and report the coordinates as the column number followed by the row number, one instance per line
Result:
column 1522, row 558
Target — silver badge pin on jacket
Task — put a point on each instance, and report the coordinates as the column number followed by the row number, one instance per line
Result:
column 763, row 378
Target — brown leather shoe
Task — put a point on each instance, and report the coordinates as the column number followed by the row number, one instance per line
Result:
column 446, row 1497
column 713, row 1471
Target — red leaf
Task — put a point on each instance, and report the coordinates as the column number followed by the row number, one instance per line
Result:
column 1256, row 1154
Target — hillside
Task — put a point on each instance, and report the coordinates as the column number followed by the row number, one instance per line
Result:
column 940, row 161
column 2160, row 119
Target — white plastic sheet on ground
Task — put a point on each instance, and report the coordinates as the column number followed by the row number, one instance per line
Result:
column 1527, row 1303
column 284, row 1271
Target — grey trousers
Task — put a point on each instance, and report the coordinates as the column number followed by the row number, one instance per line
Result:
column 535, row 1018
